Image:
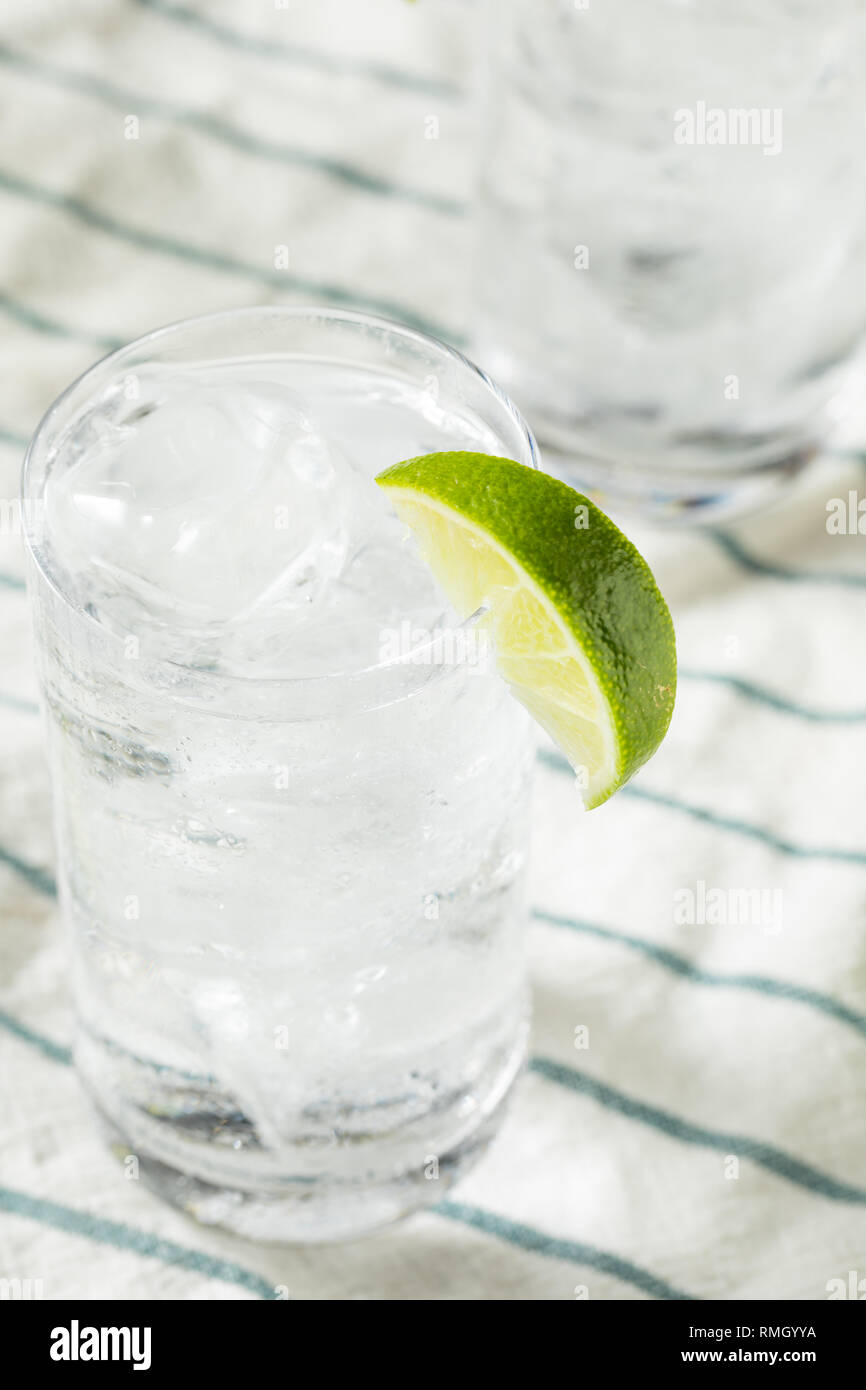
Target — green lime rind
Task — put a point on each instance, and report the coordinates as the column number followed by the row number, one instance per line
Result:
column 599, row 585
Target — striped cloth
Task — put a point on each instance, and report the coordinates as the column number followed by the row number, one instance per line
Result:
column 692, row 1122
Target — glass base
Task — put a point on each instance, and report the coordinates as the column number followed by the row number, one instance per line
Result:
column 338, row 1170
column 309, row 1211
column 637, row 456
column 692, row 497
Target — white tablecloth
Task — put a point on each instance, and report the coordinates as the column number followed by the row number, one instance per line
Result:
column 710, row 1142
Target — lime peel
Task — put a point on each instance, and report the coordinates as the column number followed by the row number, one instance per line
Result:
column 581, row 632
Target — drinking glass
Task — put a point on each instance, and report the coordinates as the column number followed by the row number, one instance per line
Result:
column 671, row 239
column 294, row 901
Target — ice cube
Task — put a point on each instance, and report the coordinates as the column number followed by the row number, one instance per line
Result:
column 200, row 502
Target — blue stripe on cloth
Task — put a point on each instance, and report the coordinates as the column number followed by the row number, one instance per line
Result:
column 682, row 966
column 737, row 552
column 213, row 127
column 762, row 696
column 739, row 827
column 13, row 438
column 208, row 259
column 777, row 1162
column 55, row 1052
column 16, row 702
column 128, row 1238
column 553, row 1248
column 40, row 879
column 269, row 47
column 558, row 763
column 48, row 327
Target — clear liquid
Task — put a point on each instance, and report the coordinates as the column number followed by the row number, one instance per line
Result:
column 298, row 944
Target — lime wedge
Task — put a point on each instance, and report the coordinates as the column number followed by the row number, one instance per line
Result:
column 581, row 633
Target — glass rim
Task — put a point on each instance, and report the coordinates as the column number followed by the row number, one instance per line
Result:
column 172, row 673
